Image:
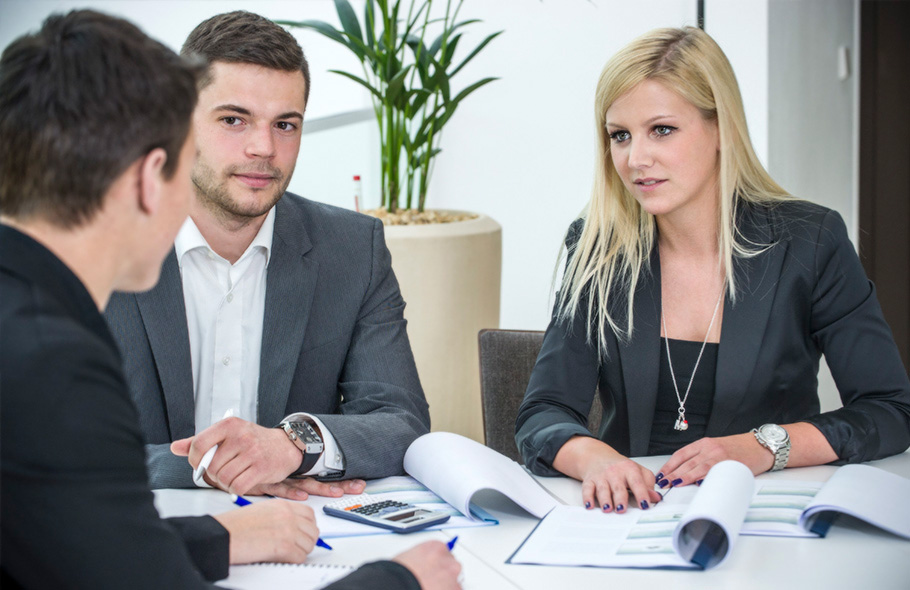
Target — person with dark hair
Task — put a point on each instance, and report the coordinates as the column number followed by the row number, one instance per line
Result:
column 96, row 151
column 272, row 309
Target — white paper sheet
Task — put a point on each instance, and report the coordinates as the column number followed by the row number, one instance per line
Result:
column 718, row 511
column 777, row 507
column 456, row 468
column 868, row 493
column 668, row 535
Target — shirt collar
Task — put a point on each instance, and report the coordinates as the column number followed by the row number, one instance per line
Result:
column 190, row 238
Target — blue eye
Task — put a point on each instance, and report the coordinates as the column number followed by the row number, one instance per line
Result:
column 620, row 136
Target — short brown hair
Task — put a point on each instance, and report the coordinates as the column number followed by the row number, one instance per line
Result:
column 81, row 100
column 244, row 37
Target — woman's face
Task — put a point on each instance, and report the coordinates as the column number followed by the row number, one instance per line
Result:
column 665, row 152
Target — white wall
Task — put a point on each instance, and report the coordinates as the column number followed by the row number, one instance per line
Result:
column 519, row 149
column 813, row 114
column 812, row 111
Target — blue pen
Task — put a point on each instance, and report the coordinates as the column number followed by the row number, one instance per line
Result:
column 241, row 501
column 321, row 543
column 451, row 544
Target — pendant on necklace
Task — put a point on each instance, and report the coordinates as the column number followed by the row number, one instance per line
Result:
column 681, row 423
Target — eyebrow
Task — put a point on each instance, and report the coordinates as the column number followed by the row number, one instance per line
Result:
column 648, row 122
column 243, row 111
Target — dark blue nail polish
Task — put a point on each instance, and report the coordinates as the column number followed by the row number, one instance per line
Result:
column 676, row 482
column 699, row 482
column 620, row 508
column 644, row 505
column 606, row 507
column 588, row 505
column 663, row 483
column 658, row 477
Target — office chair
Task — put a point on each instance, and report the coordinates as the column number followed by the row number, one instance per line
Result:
column 506, row 360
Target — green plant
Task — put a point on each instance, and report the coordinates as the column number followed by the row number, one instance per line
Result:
column 409, row 82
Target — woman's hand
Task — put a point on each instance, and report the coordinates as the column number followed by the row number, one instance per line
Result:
column 607, row 482
column 606, row 475
column 691, row 463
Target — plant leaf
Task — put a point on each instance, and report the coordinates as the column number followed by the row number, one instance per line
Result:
column 396, row 86
column 421, row 96
column 348, row 19
column 446, row 58
column 369, row 23
column 421, row 57
column 475, row 52
column 321, row 27
column 360, row 81
column 464, row 93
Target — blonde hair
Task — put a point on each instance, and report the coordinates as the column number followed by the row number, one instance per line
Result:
column 615, row 244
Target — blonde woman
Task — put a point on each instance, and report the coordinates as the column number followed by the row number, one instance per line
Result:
column 698, row 298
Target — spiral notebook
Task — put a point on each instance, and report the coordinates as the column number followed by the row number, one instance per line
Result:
column 262, row 576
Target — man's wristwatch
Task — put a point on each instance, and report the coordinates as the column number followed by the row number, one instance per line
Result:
column 305, row 437
column 775, row 439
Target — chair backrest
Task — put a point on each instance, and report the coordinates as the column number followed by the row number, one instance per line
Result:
column 506, row 360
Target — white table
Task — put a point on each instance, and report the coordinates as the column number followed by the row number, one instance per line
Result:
column 853, row 555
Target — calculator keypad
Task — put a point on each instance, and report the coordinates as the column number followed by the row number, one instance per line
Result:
column 377, row 507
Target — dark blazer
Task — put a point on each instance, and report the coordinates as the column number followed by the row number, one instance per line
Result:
column 334, row 344
column 77, row 511
column 805, row 296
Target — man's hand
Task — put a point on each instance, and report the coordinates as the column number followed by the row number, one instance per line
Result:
column 301, row 489
column 433, row 565
column 275, row 531
column 248, row 454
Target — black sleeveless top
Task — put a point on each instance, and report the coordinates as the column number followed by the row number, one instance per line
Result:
column 664, row 439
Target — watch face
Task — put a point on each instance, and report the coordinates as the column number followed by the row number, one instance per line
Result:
column 306, row 433
column 773, row 433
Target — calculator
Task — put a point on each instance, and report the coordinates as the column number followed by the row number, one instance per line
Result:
column 396, row 516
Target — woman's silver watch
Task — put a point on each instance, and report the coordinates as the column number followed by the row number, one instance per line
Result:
column 776, row 439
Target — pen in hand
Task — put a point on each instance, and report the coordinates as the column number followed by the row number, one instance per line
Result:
column 208, row 456
column 241, row 501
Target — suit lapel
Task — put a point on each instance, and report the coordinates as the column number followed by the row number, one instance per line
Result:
column 744, row 323
column 164, row 316
column 290, row 286
column 640, row 359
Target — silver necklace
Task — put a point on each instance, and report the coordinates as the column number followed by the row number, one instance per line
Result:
column 681, row 423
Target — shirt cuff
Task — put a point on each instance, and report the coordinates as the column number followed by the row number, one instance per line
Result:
column 331, row 460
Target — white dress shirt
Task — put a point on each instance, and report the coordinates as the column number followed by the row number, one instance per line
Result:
column 225, row 306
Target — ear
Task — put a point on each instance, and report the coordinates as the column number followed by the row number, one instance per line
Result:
column 151, row 180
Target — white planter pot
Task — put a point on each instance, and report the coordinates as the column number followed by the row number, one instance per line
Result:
column 450, row 277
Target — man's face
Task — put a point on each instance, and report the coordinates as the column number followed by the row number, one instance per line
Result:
column 247, row 127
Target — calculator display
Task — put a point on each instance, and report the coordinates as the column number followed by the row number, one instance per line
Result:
column 401, row 515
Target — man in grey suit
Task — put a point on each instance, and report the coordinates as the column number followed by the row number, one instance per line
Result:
column 272, row 309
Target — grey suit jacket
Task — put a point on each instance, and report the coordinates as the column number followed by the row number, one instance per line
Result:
column 334, row 344
column 805, row 295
